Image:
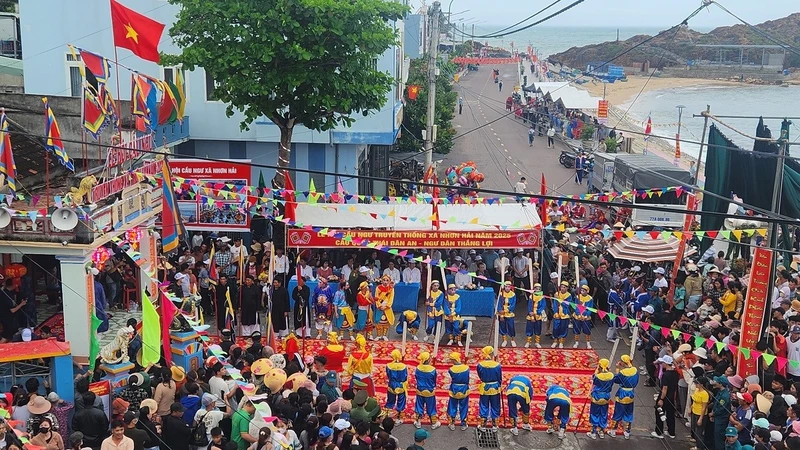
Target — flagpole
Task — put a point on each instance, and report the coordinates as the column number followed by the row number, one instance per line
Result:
column 119, row 93
column 84, row 146
column 47, row 162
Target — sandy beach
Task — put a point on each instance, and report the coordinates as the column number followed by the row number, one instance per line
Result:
column 620, row 93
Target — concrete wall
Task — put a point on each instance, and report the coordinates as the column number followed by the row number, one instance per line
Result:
column 47, row 73
column 28, row 112
column 710, row 72
column 414, row 42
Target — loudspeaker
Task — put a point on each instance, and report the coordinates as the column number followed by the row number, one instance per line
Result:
column 64, row 219
column 5, row 218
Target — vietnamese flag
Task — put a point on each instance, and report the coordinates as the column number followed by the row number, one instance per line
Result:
column 136, row 32
column 290, row 211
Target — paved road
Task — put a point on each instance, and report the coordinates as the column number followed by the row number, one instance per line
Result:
column 503, row 143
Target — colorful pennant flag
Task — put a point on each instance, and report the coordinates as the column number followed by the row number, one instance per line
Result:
column 7, row 165
column 171, row 222
column 52, row 134
column 151, row 333
column 97, row 65
column 168, row 311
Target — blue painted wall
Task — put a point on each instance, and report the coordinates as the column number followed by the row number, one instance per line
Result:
column 48, row 26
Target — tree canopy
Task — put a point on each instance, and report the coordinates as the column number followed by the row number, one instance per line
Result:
column 309, row 62
column 416, row 111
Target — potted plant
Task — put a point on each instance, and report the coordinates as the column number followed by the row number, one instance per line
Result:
column 587, row 137
column 611, row 145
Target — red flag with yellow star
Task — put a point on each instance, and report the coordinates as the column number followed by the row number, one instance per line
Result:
column 136, row 32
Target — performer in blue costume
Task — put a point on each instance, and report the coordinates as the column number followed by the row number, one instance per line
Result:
column 426, row 387
column 537, row 313
column 434, row 310
column 411, row 319
column 452, row 309
column 461, row 329
column 602, row 384
column 627, row 377
column 397, row 385
column 490, row 375
column 582, row 317
column 557, row 397
column 561, row 314
column 519, row 393
column 458, row 403
column 505, row 313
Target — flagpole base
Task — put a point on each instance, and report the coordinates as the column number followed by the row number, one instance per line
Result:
column 117, row 374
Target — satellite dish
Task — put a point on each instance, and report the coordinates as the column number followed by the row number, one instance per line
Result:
column 64, row 219
column 5, row 218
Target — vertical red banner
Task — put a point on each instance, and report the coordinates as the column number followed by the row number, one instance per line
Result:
column 755, row 306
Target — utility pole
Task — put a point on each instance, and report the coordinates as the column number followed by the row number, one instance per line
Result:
column 702, row 143
column 678, row 135
column 432, row 52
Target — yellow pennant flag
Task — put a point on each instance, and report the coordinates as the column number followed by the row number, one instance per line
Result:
column 151, row 333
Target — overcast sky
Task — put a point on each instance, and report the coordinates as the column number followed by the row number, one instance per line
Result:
column 619, row 13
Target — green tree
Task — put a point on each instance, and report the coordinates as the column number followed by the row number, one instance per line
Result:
column 308, row 62
column 415, row 114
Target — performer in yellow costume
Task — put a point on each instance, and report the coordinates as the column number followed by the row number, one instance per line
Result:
column 359, row 365
column 505, row 313
column 537, row 313
column 452, row 309
column 383, row 316
column 434, row 310
column 582, row 317
column 397, row 385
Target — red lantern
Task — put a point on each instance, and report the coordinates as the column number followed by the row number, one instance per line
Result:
column 16, row 271
column 413, row 91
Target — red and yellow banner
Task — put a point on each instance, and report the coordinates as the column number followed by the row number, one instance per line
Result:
column 754, row 308
column 413, row 239
column 602, row 111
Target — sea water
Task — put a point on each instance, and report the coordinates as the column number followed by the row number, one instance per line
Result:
column 660, row 105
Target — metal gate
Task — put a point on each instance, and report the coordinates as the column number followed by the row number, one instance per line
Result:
column 17, row 373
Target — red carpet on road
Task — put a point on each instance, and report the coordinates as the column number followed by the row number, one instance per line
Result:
column 570, row 368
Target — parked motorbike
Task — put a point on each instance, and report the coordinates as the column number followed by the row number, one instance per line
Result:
column 567, row 159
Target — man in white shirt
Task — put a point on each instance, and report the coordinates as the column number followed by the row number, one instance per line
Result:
column 218, row 386
column 660, row 281
column 781, row 290
column 209, row 414
column 411, row 274
column 305, row 270
column 521, row 187
column 117, row 440
column 793, row 350
column 393, row 273
column 238, row 250
column 281, row 265
column 500, row 264
column 186, row 258
column 347, row 269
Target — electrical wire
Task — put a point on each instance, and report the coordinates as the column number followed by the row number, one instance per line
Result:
column 678, row 182
column 520, row 22
column 769, row 218
column 557, row 13
column 782, row 44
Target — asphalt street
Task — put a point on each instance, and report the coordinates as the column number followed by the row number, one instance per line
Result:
column 500, row 145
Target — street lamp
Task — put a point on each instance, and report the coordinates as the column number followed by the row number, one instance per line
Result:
column 678, row 135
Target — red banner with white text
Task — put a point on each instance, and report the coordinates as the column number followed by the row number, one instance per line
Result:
column 414, row 239
column 755, row 306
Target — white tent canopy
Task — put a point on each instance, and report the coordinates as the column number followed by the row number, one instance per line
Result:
column 570, row 96
column 511, row 216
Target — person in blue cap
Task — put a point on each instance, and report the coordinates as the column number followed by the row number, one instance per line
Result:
column 420, row 436
column 721, row 410
column 411, row 319
column 397, row 385
column 557, row 397
column 732, row 439
column 627, row 378
column 490, row 374
column 458, row 402
column 602, row 383
column 519, row 393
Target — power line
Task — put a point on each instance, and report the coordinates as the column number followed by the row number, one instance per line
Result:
column 557, row 13
column 518, row 23
column 763, row 33
column 744, row 205
column 446, row 187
